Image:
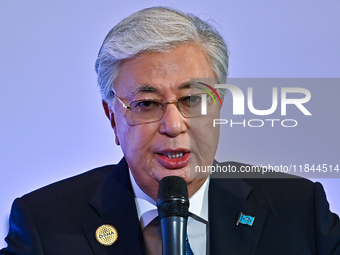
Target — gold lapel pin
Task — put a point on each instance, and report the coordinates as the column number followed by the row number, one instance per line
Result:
column 106, row 235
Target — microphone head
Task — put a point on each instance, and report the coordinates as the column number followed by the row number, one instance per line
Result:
column 173, row 197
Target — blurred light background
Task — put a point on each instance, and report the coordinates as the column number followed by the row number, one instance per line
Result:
column 51, row 121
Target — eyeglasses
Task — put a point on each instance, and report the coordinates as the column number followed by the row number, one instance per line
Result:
column 152, row 110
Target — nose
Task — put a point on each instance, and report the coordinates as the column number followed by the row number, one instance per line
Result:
column 173, row 123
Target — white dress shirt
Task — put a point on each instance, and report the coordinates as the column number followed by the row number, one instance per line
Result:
column 198, row 214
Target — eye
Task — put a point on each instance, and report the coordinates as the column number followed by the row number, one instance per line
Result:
column 146, row 105
column 191, row 100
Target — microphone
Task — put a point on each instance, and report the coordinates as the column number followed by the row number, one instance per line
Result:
column 173, row 211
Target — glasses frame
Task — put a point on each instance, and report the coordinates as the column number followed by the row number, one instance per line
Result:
column 156, row 100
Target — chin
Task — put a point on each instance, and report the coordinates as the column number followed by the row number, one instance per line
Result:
column 182, row 172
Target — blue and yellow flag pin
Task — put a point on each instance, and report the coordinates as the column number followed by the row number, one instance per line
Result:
column 245, row 219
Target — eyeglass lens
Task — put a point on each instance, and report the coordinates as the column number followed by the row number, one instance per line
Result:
column 150, row 110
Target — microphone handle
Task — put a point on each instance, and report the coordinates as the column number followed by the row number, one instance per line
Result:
column 174, row 231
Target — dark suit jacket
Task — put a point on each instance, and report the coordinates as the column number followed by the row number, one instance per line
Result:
column 291, row 217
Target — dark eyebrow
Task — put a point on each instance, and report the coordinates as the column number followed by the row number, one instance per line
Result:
column 185, row 85
column 147, row 88
column 195, row 84
column 143, row 88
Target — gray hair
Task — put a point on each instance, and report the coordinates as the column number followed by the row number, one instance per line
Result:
column 157, row 29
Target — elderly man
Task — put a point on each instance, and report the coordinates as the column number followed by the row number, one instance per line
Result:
column 145, row 67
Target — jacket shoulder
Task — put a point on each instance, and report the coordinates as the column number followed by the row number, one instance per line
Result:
column 272, row 187
column 82, row 183
column 64, row 204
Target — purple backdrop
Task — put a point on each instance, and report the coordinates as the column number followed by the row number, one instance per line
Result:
column 52, row 125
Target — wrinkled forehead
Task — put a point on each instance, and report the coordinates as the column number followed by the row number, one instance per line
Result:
column 178, row 70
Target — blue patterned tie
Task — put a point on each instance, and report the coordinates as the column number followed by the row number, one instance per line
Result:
column 188, row 250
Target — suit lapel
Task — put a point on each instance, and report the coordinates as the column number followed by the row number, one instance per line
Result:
column 227, row 199
column 114, row 201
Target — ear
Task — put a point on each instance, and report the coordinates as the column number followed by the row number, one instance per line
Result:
column 110, row 115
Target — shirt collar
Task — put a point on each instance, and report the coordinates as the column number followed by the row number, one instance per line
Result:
column 147, row 208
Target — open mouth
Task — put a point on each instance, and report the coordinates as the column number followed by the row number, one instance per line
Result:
column 174, row 154
column 174, row 159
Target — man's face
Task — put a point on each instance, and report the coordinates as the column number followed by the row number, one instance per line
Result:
column 163, row 148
